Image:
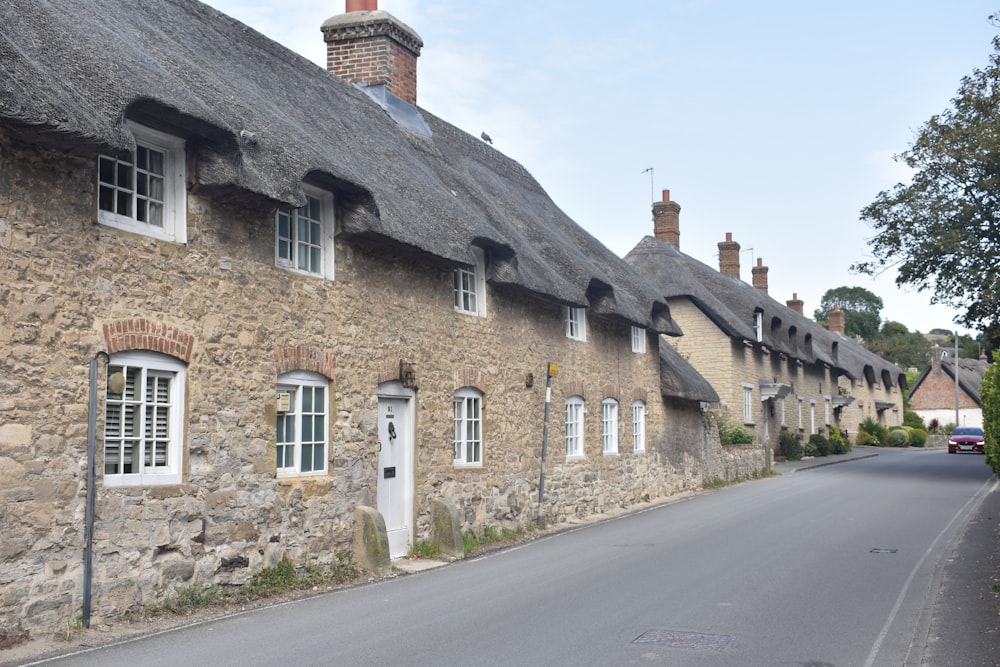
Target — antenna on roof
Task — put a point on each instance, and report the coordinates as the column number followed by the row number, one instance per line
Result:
column 749, row 250
column 651, row 195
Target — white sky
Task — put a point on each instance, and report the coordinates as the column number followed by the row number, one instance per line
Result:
column 775, row 120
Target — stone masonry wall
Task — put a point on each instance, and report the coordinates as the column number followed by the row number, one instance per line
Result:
column 70, row 287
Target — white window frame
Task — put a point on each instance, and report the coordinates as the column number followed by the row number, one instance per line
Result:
column 826, row 409
column 173, row 217
column 469, row 286
column 288, row 247
column 747, row 403
column 638, row 426
column 758, row 325
column 576, row 323
column 638, row 340
column 148, row 365
column 782, row 411
column 812, row 417
column 468, row 435
column 297, row 383
column 801, row 399
column 609, row 426
column 575, row 410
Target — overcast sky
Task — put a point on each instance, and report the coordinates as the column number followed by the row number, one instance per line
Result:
column 774, row 120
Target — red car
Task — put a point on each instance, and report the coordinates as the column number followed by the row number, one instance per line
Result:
column 966, row 439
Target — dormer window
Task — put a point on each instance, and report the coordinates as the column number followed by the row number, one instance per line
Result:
column 576, row 323
column 303, row 240
column 144, row 191
column 469, row 287
column 758, row 325
column 638, row 340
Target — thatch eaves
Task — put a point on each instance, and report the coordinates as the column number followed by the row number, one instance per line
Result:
column 261, row 120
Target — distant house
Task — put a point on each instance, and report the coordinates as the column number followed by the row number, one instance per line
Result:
column 934, row 395
column 302, row 294
column 772, row 367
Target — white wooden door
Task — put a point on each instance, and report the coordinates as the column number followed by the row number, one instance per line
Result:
column 395, row 471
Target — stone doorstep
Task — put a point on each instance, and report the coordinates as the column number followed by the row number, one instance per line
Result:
column 416, row 564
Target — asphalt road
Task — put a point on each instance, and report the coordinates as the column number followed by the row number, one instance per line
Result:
column 832, row 566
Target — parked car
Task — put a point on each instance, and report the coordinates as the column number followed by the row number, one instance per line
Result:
column 966, row 439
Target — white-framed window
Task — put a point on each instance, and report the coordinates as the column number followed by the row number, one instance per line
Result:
column 782, row 411
column 144, row 192
column 574, row 427
column 576, row 323
column 609, row 426
column 144, row 420
column 758, row 325
column 303, row 237
column 638, row 340
column 747, row 403
column 638, row 426
column 468, row 404
column 826, row 410
column 303, row 424
column 800, row 412
column 469, row 286
column 812, row 416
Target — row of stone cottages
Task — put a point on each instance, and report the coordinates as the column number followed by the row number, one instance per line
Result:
column 306, row 308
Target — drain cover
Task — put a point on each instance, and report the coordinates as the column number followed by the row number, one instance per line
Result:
column 676, row 639
column 884, row 551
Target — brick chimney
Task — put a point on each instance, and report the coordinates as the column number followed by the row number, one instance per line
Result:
column 759, row 273
column 795, row 303
column 666, row 220
column 374, row 48
column 836, row 320
column 729, row 257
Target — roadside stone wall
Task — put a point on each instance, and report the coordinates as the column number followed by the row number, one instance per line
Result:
column 70, row 288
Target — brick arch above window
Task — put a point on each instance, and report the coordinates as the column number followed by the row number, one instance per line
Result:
column 640, row 394
column 305, row 358
column 611, row 391
column 476, row 378
column 574, row 388
column 147, row 334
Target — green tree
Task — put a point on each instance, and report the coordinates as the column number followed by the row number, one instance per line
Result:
column 990, row 392
column 899, row 345
column 861, row 309
column 942, row 231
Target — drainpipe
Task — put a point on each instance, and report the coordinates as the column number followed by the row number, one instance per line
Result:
column 88, row 528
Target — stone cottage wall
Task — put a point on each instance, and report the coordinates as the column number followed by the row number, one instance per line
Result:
column 70, row 288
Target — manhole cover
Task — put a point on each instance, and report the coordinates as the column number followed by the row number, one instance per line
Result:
column 884, row 551
column 691, row 640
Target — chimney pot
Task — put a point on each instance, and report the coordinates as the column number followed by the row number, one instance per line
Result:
column 362, row 6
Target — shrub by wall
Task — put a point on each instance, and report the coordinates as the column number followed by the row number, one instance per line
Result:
column 898, row 437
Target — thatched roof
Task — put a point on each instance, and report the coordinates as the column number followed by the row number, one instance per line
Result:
column 261, row 119
column 970, row 376
column 732, row 305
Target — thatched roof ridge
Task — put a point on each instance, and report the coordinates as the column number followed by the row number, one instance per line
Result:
column 261, row 119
